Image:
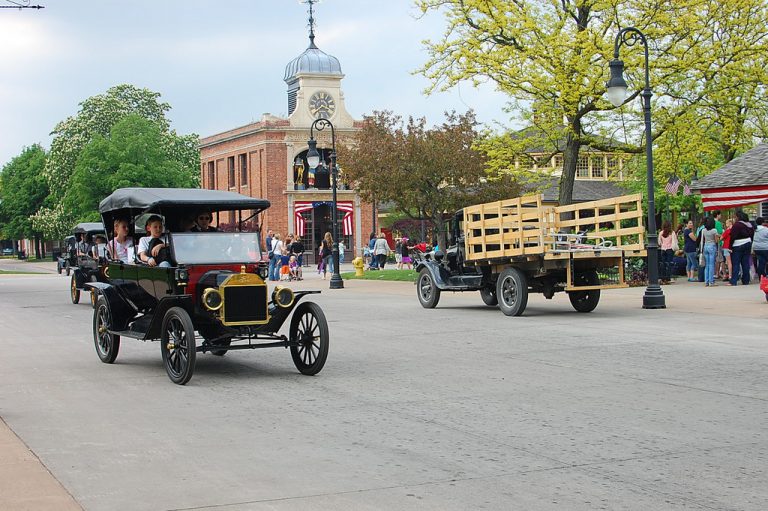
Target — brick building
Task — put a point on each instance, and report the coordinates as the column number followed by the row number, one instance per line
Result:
column 267, row 159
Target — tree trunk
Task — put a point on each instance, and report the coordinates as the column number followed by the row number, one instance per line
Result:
column 441, row 237
column 570, row 159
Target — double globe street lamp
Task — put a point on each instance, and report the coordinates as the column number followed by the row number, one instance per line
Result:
column 617, row 95
column 313, row 161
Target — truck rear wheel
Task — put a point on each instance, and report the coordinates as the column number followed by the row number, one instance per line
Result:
column 512, row 291
column 427, row 290
column 585, row 301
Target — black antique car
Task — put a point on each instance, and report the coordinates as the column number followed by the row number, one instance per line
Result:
column 214, row 287
column 83, row 268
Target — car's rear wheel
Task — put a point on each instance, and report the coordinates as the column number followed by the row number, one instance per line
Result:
column 58, row 268
column 94, row 297
column 309, row 332
column 107, row 344
column 74, row 293
column 585, row 301
column 427, row 290
column 512, row 292
column 489, row 297
column 177, row 344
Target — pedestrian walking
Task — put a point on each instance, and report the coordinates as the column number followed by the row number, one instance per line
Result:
column 741, row 248
column 381, row 250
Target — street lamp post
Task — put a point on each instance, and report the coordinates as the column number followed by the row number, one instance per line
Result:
column 617, row 95
column 313, row 160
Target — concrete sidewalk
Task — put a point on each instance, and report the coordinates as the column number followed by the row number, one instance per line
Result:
column 25, row 483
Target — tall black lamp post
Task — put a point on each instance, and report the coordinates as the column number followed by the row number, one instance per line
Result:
column 617, row 95
column 313, row 160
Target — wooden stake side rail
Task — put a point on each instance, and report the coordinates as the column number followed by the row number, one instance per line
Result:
column 524, row 227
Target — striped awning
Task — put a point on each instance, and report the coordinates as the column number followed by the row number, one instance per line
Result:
column 733, row 197
column 346, row 224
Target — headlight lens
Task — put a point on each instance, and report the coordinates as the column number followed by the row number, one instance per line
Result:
column 283, row 296
column 212, row 299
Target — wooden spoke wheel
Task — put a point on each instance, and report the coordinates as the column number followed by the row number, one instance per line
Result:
column 107, row 344
column 74, row 293
column 177, row 344
column 309, row 330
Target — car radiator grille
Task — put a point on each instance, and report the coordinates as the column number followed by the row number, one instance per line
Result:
column 245, row 303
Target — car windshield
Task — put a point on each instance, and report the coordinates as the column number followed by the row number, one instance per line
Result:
column 216, row 247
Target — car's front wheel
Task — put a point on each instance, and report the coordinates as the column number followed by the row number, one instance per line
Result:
column 426, row 289
column 107, row 344
column 309, row 338
column 512, row 291
column 177, row 344
column 67, row 268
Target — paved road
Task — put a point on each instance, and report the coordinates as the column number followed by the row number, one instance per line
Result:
column 456, row 408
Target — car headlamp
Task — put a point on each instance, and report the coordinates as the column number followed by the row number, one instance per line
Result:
column 182, row 276
column 212, row 299
column 283, row 296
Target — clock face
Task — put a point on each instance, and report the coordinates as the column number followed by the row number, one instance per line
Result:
column 322, row 105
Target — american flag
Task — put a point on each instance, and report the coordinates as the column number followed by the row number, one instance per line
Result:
column 672, row 185
column 686, row 189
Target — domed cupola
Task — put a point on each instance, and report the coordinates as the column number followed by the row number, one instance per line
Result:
column 313, row 61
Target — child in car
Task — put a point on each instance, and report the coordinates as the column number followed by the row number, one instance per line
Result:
column 152, row 249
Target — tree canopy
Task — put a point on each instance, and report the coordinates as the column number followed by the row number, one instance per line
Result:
column 707, row 64
column 23, row 190
column 422, row 172
column 134, row 154
column 94, row 122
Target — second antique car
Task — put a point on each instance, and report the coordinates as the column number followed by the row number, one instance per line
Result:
column 213, row 286
column 83, row 267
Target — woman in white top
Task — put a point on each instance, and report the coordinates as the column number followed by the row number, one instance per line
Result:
column 121, row 246
column 278, row 248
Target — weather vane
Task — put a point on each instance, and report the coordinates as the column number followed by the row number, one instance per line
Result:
column 311, row 20
column 20, row 4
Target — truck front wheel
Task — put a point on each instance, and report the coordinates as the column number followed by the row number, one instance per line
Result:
column 489, row 296
column 427, row 290
column 512, row 292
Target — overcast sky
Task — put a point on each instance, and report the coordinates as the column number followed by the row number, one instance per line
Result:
column 219, row 64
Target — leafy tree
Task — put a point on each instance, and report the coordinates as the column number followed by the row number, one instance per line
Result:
column 24, row 190
column 134, row 154
column 96, row 118
column 551, row 58
column 422, row 172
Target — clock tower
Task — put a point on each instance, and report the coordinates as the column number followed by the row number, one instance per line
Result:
column 314, row 86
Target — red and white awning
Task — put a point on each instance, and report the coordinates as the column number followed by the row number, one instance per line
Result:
column 347, row 207
column 733, row 197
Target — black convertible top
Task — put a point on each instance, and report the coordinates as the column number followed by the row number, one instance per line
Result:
column 154, row 200
column 89, row 227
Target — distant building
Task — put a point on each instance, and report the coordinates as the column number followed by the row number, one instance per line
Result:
column 267, row 158
column 597, row 172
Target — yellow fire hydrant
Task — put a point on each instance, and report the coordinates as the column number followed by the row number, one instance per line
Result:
column 358, row 264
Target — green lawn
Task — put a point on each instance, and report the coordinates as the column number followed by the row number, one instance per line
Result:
column 398, row 275
column 10, row 272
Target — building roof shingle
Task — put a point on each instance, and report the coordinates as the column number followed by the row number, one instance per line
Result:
column 749, row 169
